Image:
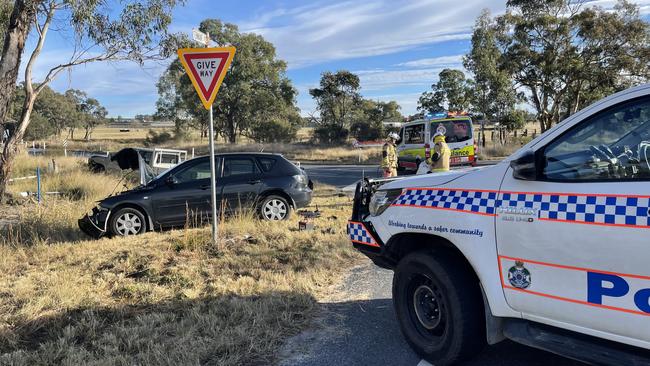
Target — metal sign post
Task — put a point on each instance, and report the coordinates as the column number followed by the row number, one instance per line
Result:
column 213, row 181
column 207, row 68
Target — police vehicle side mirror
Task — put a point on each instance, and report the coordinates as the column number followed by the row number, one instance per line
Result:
column 524, row 167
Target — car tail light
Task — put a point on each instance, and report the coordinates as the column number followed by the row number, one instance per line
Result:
column 301, row 179
column 427, row 151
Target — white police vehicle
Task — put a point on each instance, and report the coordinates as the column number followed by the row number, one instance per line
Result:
column 549, row 248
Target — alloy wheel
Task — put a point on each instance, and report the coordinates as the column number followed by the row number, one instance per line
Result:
column 128, row 224
column 275, row 209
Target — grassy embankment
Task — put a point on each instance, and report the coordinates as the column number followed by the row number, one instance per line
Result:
column 160, row 298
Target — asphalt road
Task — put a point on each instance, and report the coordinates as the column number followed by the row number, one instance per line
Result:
column 360, row 328
column 341, row 175
column 344, row 175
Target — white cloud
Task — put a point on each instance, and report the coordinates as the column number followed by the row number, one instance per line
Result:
column 124, row 88
column 324, row 32
column 385, row 79
column 454, row 61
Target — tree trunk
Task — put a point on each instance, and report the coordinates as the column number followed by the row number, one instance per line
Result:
column 23, row 15
column 11, row 147
column 231, row 131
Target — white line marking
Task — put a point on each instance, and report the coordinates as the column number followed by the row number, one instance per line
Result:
column 424, row 363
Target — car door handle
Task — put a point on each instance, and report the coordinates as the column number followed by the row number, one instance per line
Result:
column 205, row 186
column 254, row 181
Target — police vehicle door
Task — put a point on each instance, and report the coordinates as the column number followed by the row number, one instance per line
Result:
column 411, row 148
column 573, row 239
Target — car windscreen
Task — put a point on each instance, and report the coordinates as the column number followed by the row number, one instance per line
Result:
column 455, row 131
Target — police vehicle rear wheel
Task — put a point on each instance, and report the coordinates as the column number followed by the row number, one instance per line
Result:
column 439, row 307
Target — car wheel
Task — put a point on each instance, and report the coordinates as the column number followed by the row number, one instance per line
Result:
column 275, row 208
column 439, row 307
column 97, row 168
column 127, row 221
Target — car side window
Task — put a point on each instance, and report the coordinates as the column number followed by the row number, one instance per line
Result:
column 414, row 134
column 168, row 158
column 267, row 164
column 612, row 145
column 195, row 172
column 239, row 166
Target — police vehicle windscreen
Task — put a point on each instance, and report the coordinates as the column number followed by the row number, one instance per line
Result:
column 455, row 131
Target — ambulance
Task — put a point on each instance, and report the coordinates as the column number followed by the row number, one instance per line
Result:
column 549, row 248
column 416, row 140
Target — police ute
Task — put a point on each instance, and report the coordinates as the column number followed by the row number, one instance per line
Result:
column 549, row 248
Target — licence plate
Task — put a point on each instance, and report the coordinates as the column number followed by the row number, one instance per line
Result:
column 455, row 160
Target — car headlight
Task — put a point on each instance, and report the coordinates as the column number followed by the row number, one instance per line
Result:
column 381, row 200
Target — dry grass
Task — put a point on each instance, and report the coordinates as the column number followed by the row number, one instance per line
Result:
column 113, row 133
column 306, row 153
column 111, row 139
column 162, row 298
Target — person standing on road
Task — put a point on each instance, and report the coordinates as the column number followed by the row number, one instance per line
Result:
column 441, row 154
column 389, row 156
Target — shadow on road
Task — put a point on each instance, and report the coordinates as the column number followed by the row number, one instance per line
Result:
column 366, row 332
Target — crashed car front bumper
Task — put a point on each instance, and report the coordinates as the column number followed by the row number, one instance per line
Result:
column 94, row 223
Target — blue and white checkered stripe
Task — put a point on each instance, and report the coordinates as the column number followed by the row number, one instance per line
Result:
column 588, row 209
column 359, row 234
column 478, row 202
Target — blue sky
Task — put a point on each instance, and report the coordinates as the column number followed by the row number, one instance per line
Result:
column 397, row 47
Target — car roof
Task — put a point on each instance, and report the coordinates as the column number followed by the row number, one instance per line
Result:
column 457, row 118
column 248, row 153
column 253, row 154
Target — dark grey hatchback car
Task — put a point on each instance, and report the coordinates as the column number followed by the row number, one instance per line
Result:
column 267, row 183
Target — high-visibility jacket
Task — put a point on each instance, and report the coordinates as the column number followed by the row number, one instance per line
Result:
column 389, row 156
column 440, row 158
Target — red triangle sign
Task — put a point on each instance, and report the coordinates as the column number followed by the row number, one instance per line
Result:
column 206, row 68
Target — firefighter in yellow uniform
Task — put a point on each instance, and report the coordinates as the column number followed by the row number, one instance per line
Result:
column 389, row 156
column 441, row 154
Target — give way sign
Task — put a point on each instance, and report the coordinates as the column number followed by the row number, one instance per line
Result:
column 206, row 68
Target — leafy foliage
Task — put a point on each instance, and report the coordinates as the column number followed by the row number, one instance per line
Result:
column 369, row 118
column 55, row 112
column 493, row 94
column 337, row 97
column 343, row 111
column 130, row 30
column 157, row 138
column 565, row 56
column 255, row 96
column 452, row 92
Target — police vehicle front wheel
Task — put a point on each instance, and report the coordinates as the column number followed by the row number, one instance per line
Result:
column 439, row 307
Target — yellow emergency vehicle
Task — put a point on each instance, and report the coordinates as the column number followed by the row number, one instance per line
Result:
column 416, row 140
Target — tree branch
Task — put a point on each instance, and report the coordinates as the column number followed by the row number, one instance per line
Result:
column 55, row 71
column 37, row 51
